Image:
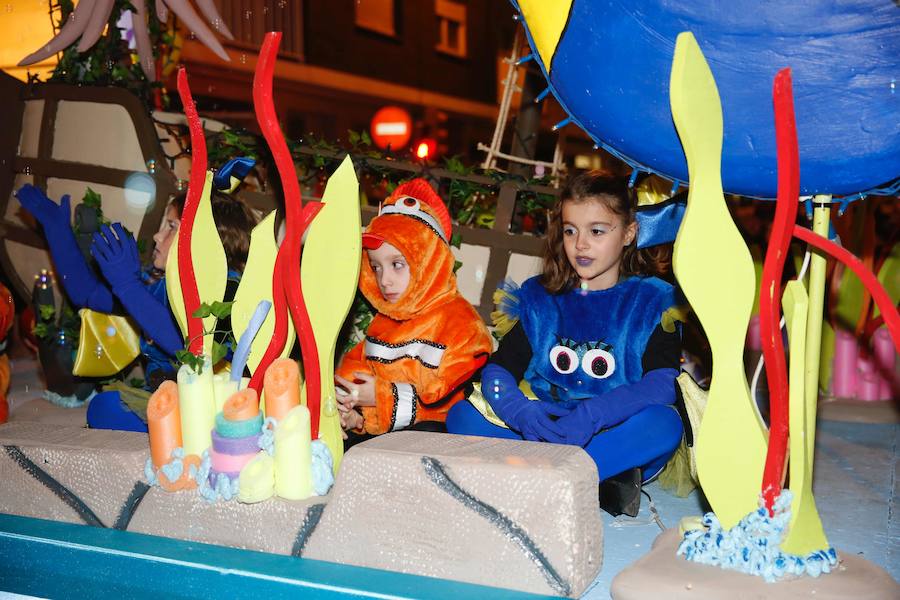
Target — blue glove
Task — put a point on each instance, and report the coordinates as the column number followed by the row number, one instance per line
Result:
column 615, row 406
column 117, row 255
column 531, row 418
column 78, row 279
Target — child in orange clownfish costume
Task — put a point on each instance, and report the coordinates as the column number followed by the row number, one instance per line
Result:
column 426, row 341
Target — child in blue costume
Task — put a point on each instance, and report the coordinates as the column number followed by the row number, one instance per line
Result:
column 594, row 338
column 141, row 292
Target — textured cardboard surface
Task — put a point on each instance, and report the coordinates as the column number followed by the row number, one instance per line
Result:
column 510, row 514
column 102, row 468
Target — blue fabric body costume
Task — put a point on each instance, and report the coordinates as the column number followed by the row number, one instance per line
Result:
column 588, row 366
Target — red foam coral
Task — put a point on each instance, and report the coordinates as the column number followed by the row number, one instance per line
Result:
column 188, row 279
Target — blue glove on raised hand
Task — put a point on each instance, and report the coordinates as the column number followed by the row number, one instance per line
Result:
column 531, row 418
column 613, row 407
column 82, row 286
column 53, row 217
column 117, row 255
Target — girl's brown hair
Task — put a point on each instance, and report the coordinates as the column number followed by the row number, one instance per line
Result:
column 234, row 222
column 595, row 186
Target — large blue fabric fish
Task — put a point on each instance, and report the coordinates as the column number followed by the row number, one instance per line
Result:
column 608, row 64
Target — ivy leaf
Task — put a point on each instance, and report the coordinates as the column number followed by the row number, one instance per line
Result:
column 218, row 352
column 220, row 310
column 455, row 165
column 456, row 265
column 365, row 138
column 203, row 311
column 353, row 136
column 91, row 198
column 46, row 311
column 456, row 239
column 41, row 330
column 186, row 357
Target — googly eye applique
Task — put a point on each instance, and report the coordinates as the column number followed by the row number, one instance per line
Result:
column 563, row 359
column 594, row 358
column 598, row 363
column 412, row 207
column 406, row 204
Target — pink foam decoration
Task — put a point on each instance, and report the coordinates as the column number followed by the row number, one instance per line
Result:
column 868, row 388
column 844, row 370
column 229, row 463
column 885, row 356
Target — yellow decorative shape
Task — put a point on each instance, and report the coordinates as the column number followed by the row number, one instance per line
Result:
column 210, row 267
column 255, row 286
column 546, row 21
column 805, row 533
column 330, row 274
column 715, row 271
column 889, row 277
column 115, row 337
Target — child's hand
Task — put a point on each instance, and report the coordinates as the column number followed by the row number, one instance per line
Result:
column 350, row 419
column 358, row 394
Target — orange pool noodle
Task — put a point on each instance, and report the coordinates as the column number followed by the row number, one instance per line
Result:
column 164, row 423
column 241, row 405
column 281, row 385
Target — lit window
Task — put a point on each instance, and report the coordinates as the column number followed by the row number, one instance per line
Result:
column 451, row 19
column 376, row 15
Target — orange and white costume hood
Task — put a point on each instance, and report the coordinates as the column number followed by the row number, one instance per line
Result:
column 424, row 347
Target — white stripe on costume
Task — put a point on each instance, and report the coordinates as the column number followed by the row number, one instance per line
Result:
column 428, row 353
column 405, row 398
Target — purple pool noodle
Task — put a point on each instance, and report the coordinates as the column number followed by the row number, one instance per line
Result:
column 235, row 446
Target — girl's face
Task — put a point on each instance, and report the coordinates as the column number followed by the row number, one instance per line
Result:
column 594, row 239
column 164, row 238
column 391, row 271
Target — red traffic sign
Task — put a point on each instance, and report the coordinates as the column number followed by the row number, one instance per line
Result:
column 391, row 126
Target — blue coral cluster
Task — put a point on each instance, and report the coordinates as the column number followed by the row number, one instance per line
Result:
column 217, row 487
column 322, row 468
column 172, row 470
column 753, row 545
column 267, row 437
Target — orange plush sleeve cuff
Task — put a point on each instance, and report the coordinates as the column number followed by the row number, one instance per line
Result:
column 382, row 418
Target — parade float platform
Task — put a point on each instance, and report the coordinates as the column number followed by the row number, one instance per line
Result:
column 856, row 462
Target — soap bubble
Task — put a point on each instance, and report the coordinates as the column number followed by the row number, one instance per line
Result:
column 140, row 192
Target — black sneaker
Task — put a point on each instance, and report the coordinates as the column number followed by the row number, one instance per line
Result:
column 621, row 494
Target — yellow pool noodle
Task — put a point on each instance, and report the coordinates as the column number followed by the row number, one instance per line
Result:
column 293, row 455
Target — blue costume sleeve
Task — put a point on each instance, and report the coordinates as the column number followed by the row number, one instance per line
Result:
column 117, row 256
column 530, row 418
column 82, row 287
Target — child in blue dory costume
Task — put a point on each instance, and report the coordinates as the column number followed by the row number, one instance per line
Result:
column 595, row 339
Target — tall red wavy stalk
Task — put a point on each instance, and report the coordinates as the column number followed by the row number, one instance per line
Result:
column 770, row 292
column 296, row 221
column 189, row 290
